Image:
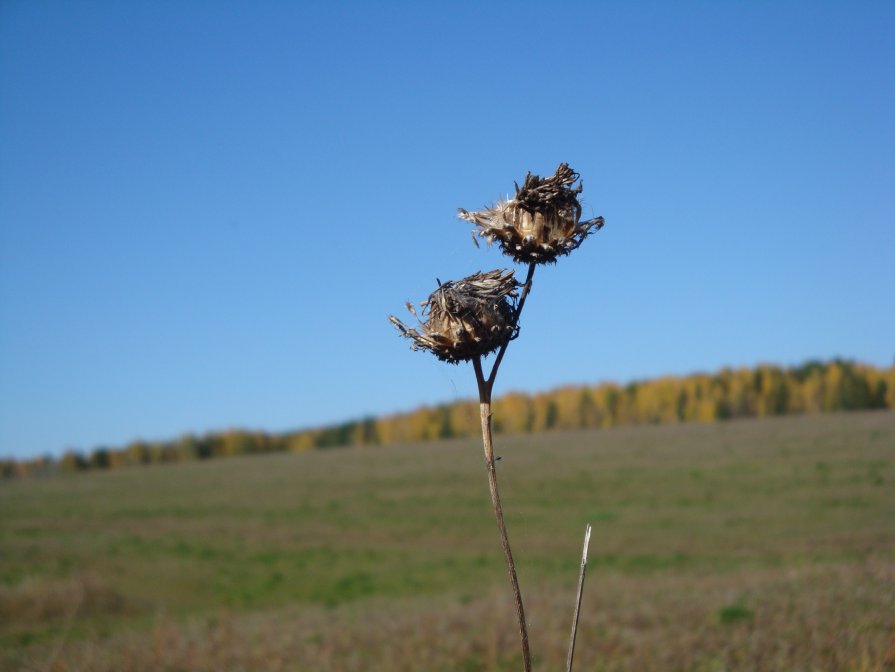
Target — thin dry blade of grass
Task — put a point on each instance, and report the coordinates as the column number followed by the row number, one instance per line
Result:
column 577, row 612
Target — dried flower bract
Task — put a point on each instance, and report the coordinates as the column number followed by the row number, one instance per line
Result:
column 541, row 222
column 467, row 318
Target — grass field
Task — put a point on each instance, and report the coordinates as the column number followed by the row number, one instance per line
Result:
column 748, row 545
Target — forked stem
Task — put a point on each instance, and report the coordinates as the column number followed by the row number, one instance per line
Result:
column 526, row 288
column 485, row 387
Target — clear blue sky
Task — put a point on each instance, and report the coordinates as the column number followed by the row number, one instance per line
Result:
column 207, row 210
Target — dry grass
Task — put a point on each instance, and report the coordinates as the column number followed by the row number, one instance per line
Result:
column 757, row 545
column 822, row 618
column 37, row 600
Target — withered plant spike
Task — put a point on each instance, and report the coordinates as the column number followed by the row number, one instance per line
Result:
column 577, row 612
column 466, row 318
column 541, row 222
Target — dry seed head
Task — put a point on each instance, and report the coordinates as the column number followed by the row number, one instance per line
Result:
column 467, row 318
column 541, row 222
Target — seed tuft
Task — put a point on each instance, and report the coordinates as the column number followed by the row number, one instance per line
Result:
column 466, row 318
column 541, row 222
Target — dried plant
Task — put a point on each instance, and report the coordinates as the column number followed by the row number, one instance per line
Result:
column 479, row 315
column 468, row 318
column 541, row 222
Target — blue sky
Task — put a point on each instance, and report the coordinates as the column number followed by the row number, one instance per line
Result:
column 208, row 210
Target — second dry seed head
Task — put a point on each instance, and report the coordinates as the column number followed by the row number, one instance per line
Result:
column 466, row 318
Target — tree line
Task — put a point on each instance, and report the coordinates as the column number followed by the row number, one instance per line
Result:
column 766, row 390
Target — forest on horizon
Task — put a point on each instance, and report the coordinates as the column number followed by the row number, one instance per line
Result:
column 764, row 390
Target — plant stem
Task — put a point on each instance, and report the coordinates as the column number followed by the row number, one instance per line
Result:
column 485, row 387
column 578, row 600
column 500, row 353
column 485, row 411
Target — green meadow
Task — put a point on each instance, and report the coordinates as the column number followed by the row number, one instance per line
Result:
column 744, row 545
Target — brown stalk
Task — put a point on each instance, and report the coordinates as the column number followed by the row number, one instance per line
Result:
column 578, row 600
column 525, row 290
column 485, row 387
